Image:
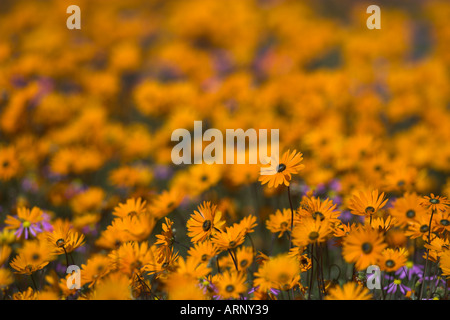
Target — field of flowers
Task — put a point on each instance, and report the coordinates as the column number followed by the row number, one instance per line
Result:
column 355, row 208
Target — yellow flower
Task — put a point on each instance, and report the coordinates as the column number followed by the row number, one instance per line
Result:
column 230, row 285
column 349, row 291
column 204, row 222
column 116, row 286
column 280, row 171
column 363, row 247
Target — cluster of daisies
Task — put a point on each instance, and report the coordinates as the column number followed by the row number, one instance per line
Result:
column 222, row 260
column 92, row 206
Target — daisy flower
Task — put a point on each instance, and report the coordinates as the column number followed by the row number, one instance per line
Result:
column 363, row 247
column 367, row 203
column 25, row 222
column 349, row 291
column 204, row 222
column 397, row 285
column 280, row 171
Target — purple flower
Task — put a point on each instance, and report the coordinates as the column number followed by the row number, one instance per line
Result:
column 397, row 284
column 335, row 185
column 437, row 280
column 26, row 227
column 409, row 270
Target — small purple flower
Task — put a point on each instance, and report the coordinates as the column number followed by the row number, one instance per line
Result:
column 346, row 216
column 397, row 284
column 27, row 227
column 45, row 223
column 409, row 271
column 437, row 280
column 272, row 290
column 335, row 185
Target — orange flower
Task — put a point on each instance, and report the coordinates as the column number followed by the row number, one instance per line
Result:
column 204, row 222
column 280, row 171
column 367, row 203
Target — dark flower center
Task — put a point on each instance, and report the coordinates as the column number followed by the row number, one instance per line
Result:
column 367, row 247
column 283, row 277
column 232, row 243
column 204, row 177
column 313, row 235
column 434, row 201
column 445, row 222
column 370, row 210
column 132, row 213
column 284, row 224
column 410, row 213
column 204, row 257
column 281, row 167
column 206, row 225
column 390, row 263
column 229, row 288
column 35, row 256
column 60, row 243
column 243, row 263
column 424, row 228
column 5, row 163
column 318, row 214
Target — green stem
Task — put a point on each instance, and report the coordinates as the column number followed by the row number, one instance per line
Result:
column 292, row 216
column 428, row 252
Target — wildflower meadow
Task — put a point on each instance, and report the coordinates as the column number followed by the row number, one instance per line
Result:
column 120, row 172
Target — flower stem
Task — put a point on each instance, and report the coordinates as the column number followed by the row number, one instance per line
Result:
column 428, row 252
column 67, row 259
column 292, row 216
column 34, row 282
column 234, row 260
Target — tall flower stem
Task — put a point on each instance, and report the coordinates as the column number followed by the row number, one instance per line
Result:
column 34, row 282
column 67, row 259
column 312, row 272
column 428, row 252
column 292, row 216
column 234, row 260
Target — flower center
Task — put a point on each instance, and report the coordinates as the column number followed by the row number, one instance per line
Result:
column 424, row 228
column 206, row 225
column 243, row 263
column 281, row 167
column 204, row 257
column 397, row 281
column 409, row 264
column 367, row 247
column 410, row 213
column 390, row 263
column 370, row 210
column 229, row 288
column 60, row 243
column 232, row 243
column 35, row 256
column 283, row 278
column 283, row 225
column 132, row 213
column 26, row 224
column 445, row 222
column 318, row 214
column 313, row 235
column 434, row 201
